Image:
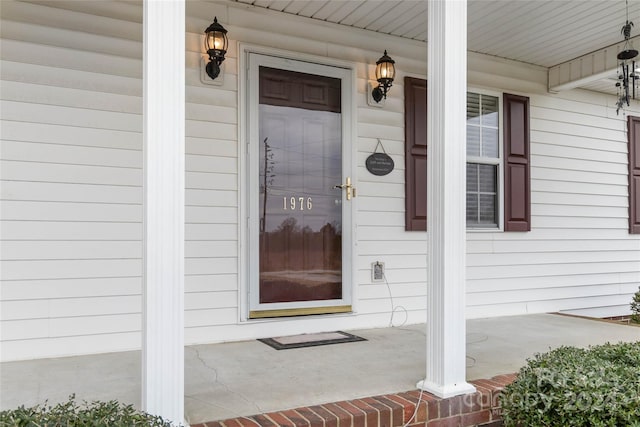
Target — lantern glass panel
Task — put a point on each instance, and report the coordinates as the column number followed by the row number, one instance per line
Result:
column 216, row 40
column 385, row 70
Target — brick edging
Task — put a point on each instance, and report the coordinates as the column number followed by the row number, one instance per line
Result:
column 481, row 408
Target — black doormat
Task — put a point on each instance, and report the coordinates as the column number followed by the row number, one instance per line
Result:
column 310, row 340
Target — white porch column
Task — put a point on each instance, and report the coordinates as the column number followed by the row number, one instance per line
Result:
column 446, row 192
column 164, row 137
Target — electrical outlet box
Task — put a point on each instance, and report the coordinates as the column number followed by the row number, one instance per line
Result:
column 377, row 271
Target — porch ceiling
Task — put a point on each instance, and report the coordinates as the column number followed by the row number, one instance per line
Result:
column 540, row 32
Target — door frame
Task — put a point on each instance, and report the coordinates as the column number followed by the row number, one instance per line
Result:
column 248, row 267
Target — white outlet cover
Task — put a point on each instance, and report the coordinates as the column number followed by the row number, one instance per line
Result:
column 377, row 271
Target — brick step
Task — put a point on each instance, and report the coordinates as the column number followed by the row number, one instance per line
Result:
column 481, row 408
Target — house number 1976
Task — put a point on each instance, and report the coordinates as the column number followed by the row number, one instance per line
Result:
column 297, row 203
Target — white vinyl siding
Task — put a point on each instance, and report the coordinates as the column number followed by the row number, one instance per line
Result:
column 579, row 257
column 71, row 192
column 381, row 217
column 72, row 187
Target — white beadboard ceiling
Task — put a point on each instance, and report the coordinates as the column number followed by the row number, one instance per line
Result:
column 539, row 32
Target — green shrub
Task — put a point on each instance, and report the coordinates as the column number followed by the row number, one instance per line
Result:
column 71, row 414
column 568, row 386
column 635, row 307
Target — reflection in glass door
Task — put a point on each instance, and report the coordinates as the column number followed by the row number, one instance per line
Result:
column 300, row 164
column 300, row 202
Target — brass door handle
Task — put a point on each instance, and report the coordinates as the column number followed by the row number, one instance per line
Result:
column 351, row 190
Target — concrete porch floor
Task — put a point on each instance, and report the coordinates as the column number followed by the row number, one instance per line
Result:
column 246, row 378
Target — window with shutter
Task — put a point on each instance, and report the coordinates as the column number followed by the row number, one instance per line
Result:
column 634, row 174
column 484, row 174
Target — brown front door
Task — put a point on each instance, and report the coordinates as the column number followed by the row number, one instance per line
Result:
column 299, row 208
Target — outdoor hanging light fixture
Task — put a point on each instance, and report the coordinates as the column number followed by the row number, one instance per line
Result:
column 627, row 75
column 215, row 43
column 385, row 73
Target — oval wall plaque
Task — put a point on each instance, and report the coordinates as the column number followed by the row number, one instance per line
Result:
column 379, row 164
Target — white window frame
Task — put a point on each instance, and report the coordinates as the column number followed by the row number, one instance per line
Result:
column 499, row 162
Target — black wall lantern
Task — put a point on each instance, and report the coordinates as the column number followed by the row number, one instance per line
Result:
column 215, row 43
column 385, row 73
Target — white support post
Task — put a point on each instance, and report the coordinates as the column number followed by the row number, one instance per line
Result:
column 163, row 256
column 446, row 184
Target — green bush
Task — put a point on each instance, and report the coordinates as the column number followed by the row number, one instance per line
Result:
column 568, row 386
column 635, row 307
column 71, row 414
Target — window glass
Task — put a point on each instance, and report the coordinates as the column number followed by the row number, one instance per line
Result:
column 487, row 210
column 487, row 178
column 490, row 143
column 472, row 177
column 483, row 148
column 472, row 208
column 473, row 108
column 490, row 111
column 473, row 140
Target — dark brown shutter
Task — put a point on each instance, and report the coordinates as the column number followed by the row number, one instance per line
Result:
column 415, row 147
column 517, row 183
column 634, row 174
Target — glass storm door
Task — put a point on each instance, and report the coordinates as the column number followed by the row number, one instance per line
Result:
column 300, row 197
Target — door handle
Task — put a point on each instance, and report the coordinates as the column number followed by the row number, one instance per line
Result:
column 351, row 190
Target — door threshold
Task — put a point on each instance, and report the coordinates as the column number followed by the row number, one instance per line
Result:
column 290, row 312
